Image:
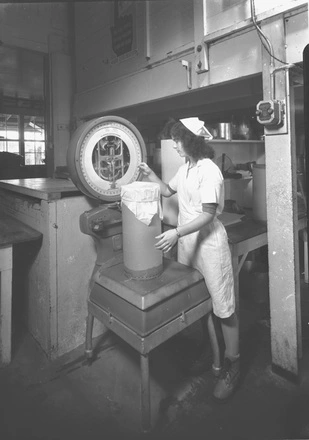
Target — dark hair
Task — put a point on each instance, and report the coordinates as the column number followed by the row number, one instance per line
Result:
column 196, row 147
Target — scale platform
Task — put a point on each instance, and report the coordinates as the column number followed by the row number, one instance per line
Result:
column 146, row 305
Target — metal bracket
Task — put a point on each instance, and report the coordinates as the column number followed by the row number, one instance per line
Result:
column 187, row 65
column 201, row 58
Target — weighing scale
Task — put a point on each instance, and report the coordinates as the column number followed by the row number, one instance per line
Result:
column 103, row 155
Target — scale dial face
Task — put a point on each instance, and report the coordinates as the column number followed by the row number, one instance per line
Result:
column 103, row 155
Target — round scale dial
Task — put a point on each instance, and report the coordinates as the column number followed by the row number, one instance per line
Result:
column 103, row 155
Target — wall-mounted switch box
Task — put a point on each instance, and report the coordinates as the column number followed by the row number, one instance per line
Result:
column 270, row 113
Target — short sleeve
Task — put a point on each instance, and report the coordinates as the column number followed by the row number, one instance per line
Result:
column 211, row 185
column 173, row 183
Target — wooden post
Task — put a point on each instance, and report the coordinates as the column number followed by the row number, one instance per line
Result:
column 6, row 266
column 284, row 272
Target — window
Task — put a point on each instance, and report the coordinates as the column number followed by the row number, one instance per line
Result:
column 24, row 113
column 34, row 137
column 23, row 135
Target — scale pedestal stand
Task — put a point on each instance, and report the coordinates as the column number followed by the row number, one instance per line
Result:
column 144, row 313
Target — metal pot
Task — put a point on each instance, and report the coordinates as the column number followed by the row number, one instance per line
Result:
column 225, row 130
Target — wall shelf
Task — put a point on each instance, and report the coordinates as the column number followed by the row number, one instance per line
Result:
column 237, row 141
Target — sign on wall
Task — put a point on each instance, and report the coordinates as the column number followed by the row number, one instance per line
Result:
column 123, row 31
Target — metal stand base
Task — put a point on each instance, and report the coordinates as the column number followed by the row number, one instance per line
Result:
column 145, row 344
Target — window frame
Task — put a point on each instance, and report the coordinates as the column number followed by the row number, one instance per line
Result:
column 21, row 114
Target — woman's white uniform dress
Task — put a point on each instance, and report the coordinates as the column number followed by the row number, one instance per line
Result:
column 206, row 250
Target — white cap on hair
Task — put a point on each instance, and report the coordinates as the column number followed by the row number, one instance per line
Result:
column 197, row 127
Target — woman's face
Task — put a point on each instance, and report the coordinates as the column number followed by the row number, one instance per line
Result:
column 178, row 146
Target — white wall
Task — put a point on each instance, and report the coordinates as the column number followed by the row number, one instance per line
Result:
column 106, row 83
column 222, row 14
column 38, row 26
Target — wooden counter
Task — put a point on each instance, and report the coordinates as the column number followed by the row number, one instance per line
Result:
column 249, row 235
column 41, row 188
column 55, row 287
column 12, row 231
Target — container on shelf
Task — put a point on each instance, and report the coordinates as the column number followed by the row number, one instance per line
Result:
column 225, row 130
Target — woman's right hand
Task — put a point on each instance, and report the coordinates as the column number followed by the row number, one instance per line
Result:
column 151, row 176
column 144, row 169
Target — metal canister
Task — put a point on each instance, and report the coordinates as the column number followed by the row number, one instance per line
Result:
column 225, row 130
column 228, row 131
column 141, row 224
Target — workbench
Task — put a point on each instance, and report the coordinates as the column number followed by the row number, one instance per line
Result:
column 41, row 188
column 12, row 231
column 57, row 282
column 249, row 235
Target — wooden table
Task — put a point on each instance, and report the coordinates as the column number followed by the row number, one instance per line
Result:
column 244, row 237
column 249, row 235
column 41, row 188
column 12, row 231
column 56, row 282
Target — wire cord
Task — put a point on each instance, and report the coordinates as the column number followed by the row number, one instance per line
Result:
column 268, row 47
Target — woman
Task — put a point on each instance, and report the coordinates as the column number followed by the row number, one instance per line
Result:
column 202, row 239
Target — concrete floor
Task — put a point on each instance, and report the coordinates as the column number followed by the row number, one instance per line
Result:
column 70, row 399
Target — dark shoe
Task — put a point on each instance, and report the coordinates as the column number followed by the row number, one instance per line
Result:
column 228, row 380
column 204, row 363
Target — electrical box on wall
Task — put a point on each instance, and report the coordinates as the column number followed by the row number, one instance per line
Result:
column 271, row 114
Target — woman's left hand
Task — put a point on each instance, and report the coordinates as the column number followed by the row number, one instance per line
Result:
column 166, row 240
